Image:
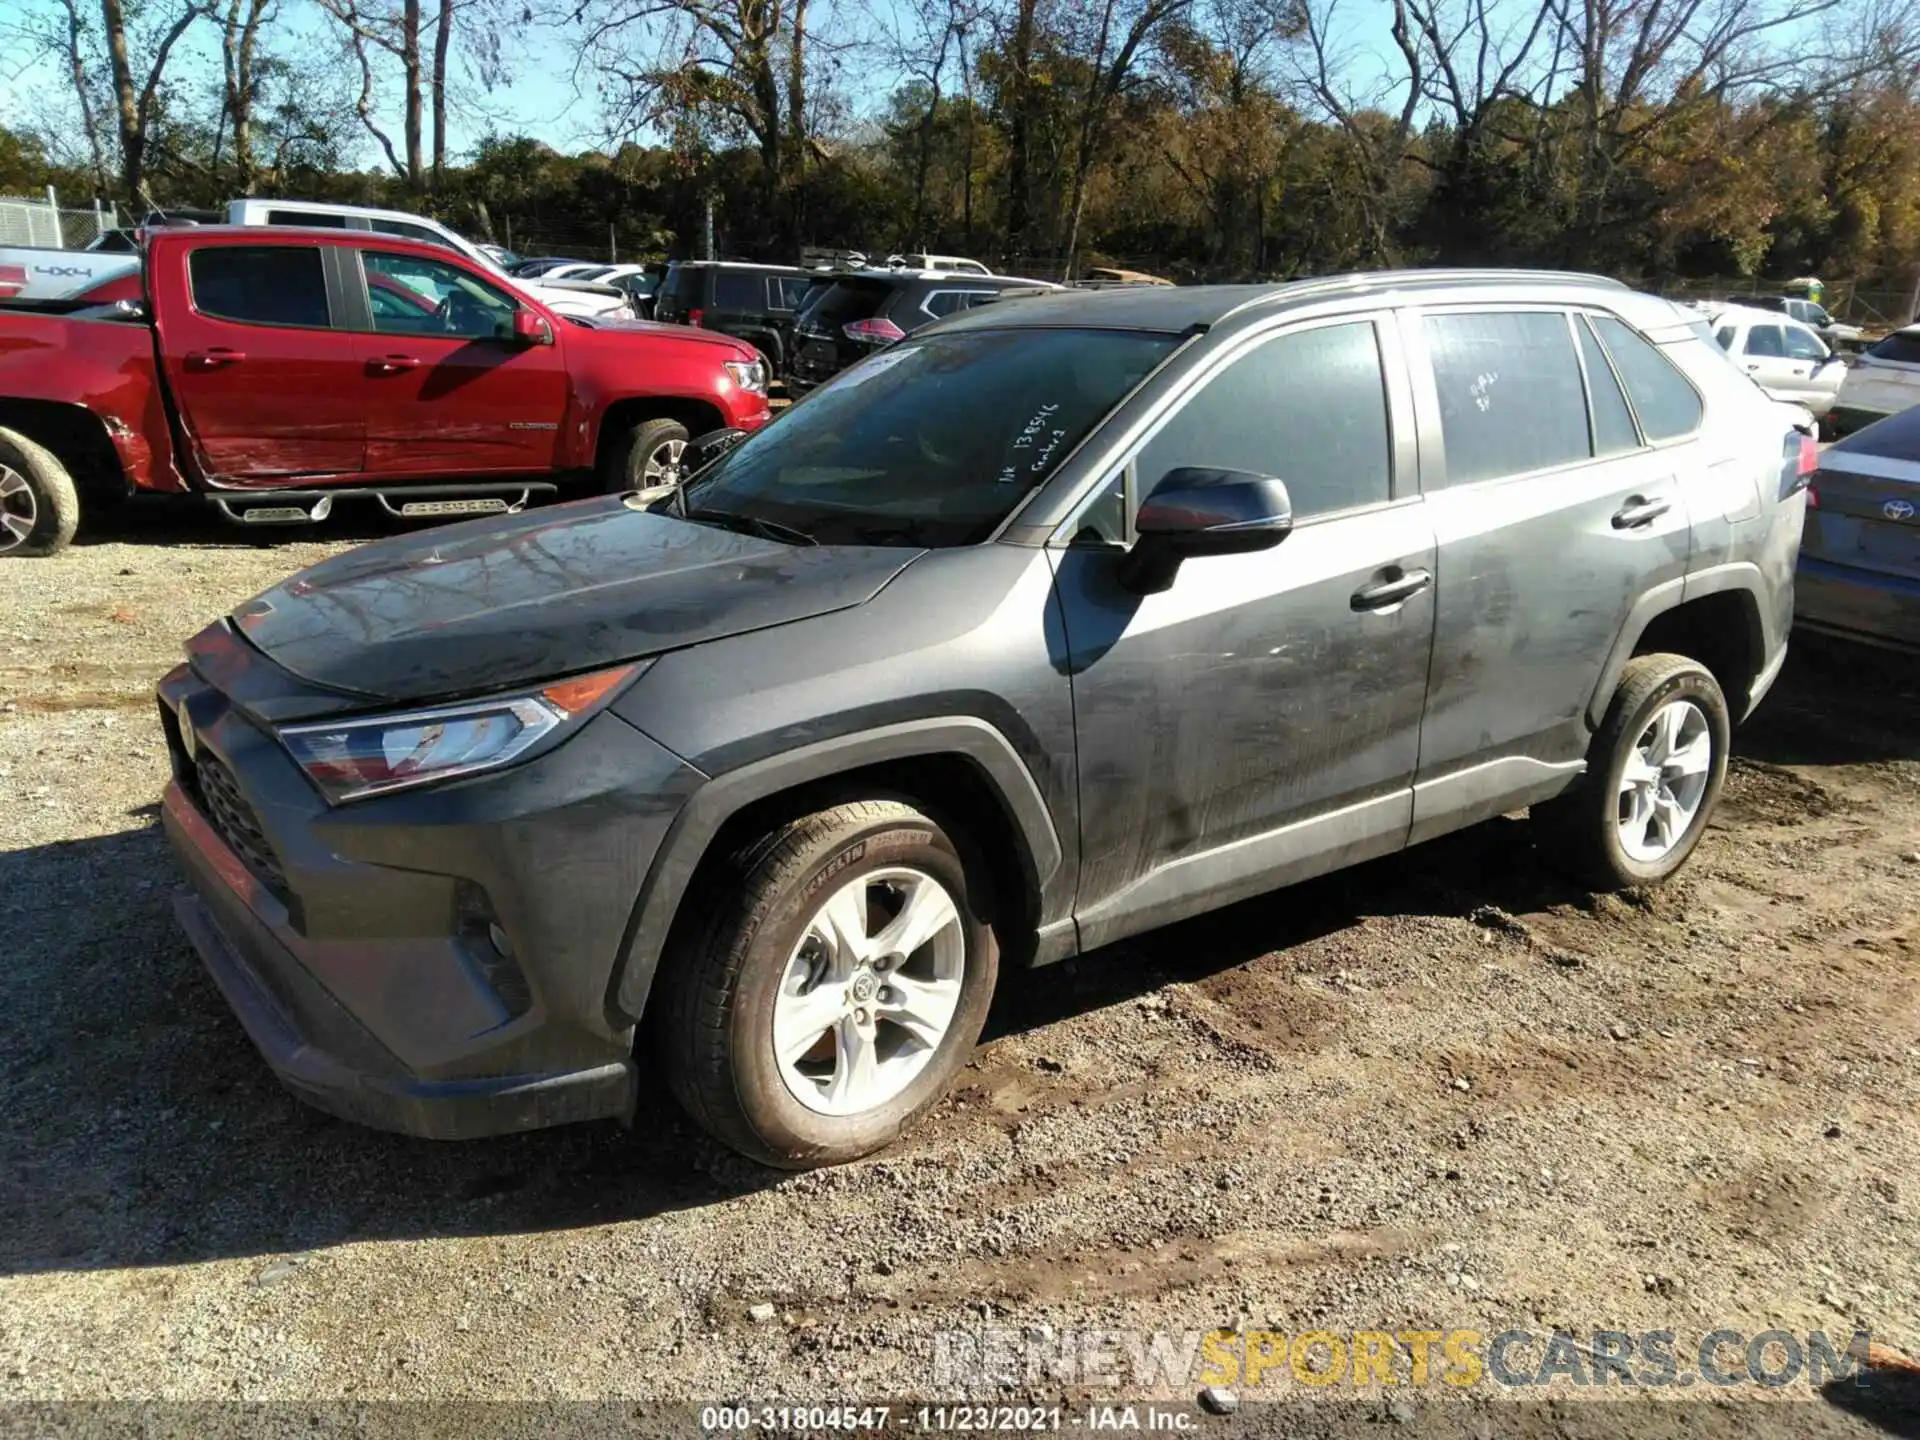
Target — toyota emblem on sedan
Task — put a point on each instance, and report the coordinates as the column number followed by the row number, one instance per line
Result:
column 1898, row 509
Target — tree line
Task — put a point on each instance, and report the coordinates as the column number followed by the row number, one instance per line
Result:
column 1205, row 139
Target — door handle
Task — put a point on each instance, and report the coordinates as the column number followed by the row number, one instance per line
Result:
column 393, row 364
column 1753, row 365
column 1639, row 511
column 1403, row 585
column 214, row 358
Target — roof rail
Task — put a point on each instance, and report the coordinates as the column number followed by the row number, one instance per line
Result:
column 1363, row 279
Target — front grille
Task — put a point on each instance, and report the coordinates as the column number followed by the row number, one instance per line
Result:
column 227, row 808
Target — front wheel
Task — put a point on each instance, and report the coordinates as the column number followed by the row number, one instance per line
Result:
column 648, row 454
column 841, row 981
column 1654, row 772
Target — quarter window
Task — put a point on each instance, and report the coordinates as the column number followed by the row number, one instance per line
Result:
column 1668, row 407
column 1613, row 432
column 1511, row 399
column 1309, row 407
column 260, row 284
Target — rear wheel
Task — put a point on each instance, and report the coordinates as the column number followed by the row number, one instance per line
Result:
column 39, row 507
column 648, row 454
column 841, row 982
column 1654, row 772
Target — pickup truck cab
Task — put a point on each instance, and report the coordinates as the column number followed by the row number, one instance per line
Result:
column 275, row 370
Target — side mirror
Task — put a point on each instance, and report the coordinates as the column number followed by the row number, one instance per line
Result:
column 1195, row 511
column 531, row 328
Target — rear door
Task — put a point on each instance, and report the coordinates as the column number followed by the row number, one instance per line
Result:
column 267, row 387
column 1554, row 513
column 445, row 387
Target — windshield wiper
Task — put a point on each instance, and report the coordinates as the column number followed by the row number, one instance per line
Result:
column 751, row 525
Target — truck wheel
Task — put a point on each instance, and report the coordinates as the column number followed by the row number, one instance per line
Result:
column 1654, row 771
column 39, row 508
column 647, row 455
column 840, row 981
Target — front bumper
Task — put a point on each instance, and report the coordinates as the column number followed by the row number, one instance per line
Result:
column 1864, row 605
column 353, row 942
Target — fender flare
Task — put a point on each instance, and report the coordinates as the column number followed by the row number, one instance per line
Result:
column 724, row 796
column 1740, row 577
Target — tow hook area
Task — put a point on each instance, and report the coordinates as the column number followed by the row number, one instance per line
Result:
column 412, row 502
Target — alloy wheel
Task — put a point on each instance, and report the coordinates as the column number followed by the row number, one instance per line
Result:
column 663, row 465
column 869, row 992
column 19, row 509
column 1664, row 780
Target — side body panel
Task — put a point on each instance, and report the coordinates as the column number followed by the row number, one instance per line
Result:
column 104, row 366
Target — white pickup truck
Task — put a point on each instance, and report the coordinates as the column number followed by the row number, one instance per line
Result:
column 29, row 272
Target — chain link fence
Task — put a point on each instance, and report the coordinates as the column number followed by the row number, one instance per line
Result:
column 43, row 221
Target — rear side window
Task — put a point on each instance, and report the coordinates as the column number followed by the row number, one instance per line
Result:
column 1667, row 405
column 260, row 284
column 317, row 218
column 947, row 302
column 847, row 300
column 1309, row 407
column 787, row 290
column 1766, row 341
column 1723, row 337
column 1613, row 432
column 739, row 290
column 411, row 232
column 1511, row 400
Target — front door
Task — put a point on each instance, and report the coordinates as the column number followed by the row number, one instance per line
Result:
column 268, row 391
column 448, row 390
column 1258, row 720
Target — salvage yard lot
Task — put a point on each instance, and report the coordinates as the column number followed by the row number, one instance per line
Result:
column 1440, row 1090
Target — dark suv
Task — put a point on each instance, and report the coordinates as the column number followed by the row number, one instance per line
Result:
column 1063, row 619
column 846, row 317
column 754, row 303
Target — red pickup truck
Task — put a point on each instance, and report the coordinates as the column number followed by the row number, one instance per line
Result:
column 274, row 372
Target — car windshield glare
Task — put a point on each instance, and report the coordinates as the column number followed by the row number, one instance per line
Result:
column 931, row 442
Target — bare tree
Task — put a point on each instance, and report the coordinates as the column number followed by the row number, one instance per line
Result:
column 241, row 23
column 397, row 34
column 135, row 94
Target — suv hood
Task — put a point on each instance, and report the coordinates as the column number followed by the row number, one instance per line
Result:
column 492, row 604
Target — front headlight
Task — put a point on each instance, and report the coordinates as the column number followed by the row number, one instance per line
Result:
column 351, row 759
column 749, row 375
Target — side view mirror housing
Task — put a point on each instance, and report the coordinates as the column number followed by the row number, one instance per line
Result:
column 1194, row 511
column 531, row 328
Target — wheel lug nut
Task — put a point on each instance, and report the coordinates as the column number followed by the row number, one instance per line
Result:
column 860, row 1017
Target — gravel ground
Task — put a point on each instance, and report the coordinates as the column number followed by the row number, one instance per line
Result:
column 1441, row 1090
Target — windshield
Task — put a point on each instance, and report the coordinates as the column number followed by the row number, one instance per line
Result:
column 931, row 442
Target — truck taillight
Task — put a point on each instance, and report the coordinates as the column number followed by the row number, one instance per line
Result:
column 13, row 279
column 694, row 317
column 877, row 331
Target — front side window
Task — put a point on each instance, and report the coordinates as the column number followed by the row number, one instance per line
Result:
column 1667, row 405
column 412, row 295
column 1511, row 400
column 930, row 442
column 1804, row 345
column 1766, row 341
column 260, row 284
column 1309, row 407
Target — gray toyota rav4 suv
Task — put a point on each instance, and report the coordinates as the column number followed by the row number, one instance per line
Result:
column 1057, row 621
